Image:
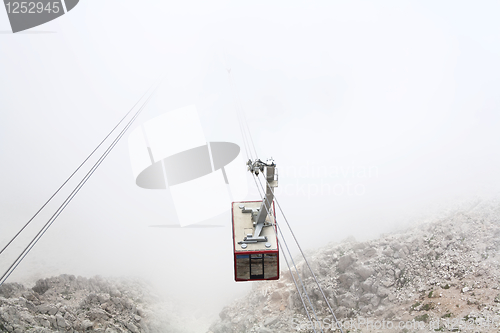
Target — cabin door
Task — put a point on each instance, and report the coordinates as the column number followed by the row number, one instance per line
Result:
column 256, row 266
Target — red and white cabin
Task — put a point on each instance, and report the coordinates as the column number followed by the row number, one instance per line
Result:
column 258, row 260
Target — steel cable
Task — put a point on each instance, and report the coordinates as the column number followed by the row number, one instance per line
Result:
column 305, row 260
column 72, row 195
column 74, row 172
column 291, row 257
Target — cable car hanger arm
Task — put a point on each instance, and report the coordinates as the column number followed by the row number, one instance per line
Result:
column 259, row 215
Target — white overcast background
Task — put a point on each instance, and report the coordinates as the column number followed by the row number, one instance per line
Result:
column 376, row 113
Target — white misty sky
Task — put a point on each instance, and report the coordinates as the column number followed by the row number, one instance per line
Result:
column 375, row 112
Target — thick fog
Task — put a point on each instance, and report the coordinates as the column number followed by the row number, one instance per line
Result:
column 377, row 114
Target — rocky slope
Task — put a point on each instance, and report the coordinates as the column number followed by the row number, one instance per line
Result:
column 76, row 304
column 440, row 275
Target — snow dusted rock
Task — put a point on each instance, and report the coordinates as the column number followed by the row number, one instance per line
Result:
column 75, row 304
column 345, row 262
column 365, row 272
column 441, row 275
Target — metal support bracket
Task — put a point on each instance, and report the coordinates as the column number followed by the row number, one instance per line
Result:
column 259, row 215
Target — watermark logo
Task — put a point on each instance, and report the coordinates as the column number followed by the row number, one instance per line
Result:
column 362, row 324
column 170, row 151
column 312, row 180
column 28, row 14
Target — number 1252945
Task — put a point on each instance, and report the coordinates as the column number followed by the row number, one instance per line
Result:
column 33, row 7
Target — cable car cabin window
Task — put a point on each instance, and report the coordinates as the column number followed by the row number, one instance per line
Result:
column 256, row 266
column 270, row 265
column 243, row 266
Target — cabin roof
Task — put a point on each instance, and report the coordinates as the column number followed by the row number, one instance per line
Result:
column 242, row 225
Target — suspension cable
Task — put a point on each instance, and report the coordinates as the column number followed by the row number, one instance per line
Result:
column 290, row 254
column 286, row 260
column 72, row 195
column 245, row 129
column 242, row 113
column 305, row 259
column 255, row 180
column 296, row 285
column 74, row 172
column 246, row 144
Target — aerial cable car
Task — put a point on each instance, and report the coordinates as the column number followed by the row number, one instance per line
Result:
column 255, row 243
